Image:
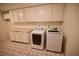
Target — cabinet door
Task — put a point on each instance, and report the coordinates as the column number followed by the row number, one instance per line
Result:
column 15, row 16
column 45, row 13
column 6, row 16
column 17, row 36
column 35, row 14
column 24, row 37
column 12, row 36
column 57, row 12
column 20, row 15
column 11, row 16
column 28, row 14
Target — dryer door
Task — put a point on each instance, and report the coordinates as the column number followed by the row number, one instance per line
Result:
column 36, row 39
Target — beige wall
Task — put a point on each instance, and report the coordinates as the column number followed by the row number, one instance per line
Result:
column 41, row 24
column 71, row 29
column 4, row 29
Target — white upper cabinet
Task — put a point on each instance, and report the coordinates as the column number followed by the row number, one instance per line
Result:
column 42, row 13
column 11, row 16
column 6, row 16
column 57, row 12
column 38, row 13
column 14, row 16
column 20, row 15
column 51, row 12
column 28, row 14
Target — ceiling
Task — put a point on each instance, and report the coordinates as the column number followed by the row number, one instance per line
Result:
column 10, row 6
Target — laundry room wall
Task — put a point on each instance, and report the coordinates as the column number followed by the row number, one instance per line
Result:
column 71, row 29
column 41, row 24
column 4, row 29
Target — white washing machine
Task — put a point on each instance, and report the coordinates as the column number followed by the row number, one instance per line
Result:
column 37, row 39
column 54, row 41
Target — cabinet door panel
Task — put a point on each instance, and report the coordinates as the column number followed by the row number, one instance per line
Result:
column 42, row 13
column 15, row 15
column 12, row 36
column 24, row 37
column 45, row 13
column 17, row 36
column 57, row 12
column 28, row 14
column 20, row 15
column 11, row 16
column 35, row 14
column 27, row 37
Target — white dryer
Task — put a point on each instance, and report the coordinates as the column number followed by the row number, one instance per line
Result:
column 37, row 39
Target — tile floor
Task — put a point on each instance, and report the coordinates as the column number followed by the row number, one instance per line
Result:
column 9, row 48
